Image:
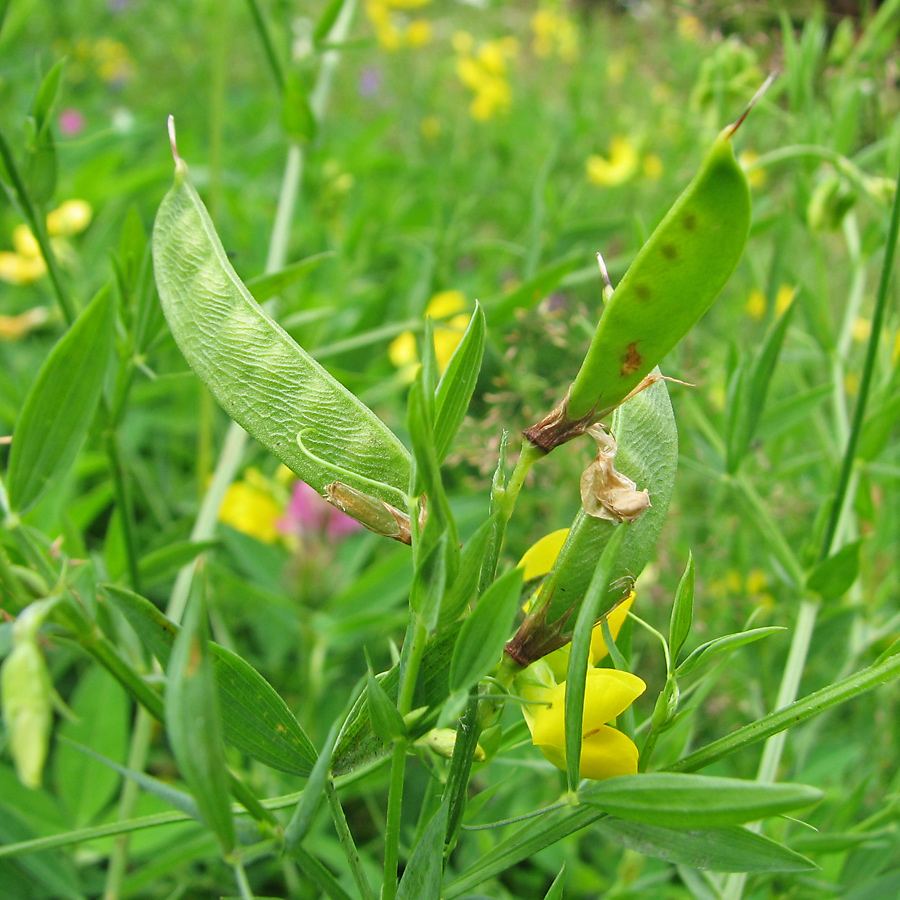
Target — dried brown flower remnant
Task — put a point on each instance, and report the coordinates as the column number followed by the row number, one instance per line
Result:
column 605, row 492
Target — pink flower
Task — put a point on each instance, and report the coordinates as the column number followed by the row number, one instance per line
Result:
column 308, row 512
column 71, row 122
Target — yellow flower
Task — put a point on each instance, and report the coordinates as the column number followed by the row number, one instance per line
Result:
column 755, row 176
column 689, row 27
column 418, row 33
column 653, row 167
column 72, row 217
column 756, row 305
column 484, row 73
column 784, row 298
column 249, row 507
column 621, row 165
column 756, row 581
column 26, row 264
column 605, row 752
column 14, row 327
column 446, row 306
column 862, row 328
column 554, row 34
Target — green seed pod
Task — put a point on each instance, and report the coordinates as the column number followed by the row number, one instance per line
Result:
column 671, row 283
column 252, row 366
column 27, row 696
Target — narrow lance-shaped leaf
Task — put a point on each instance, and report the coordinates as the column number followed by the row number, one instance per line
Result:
column 730, row 849
column 722, row 644
column 61, row 403
column 256, row 719
column 423, row 873
column 485, row 631
column 682, row 610
column 194, row 726
column 255, row 370
column 695, row 801
column 454, row 391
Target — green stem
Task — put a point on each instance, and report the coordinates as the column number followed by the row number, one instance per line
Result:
column 137, row 759
column 349, row 845
column 39, row 230
column 392, row 826
column 265, row 36
column 240, row 876
column 797, row 712
column 503, row 502
column 10, row 583
column 841, row 494
column 123, row 502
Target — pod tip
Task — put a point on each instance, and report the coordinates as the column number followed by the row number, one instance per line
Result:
column 731, row 129
column 180, row 166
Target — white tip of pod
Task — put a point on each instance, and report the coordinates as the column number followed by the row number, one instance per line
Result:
column 180, row 165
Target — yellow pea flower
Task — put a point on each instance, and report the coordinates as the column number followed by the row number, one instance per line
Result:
column 249, row 507
column 71, row 217
column 605, row 752
column 619, row 167
column 483, row 71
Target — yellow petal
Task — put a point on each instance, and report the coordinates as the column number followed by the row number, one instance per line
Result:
column 607, row 694
column 18, row 269
column 539, row 558
column 402, row 351
column 24, row 242
column 445, row 304
column 72, row 217
column 615, row 620
column 248, row 509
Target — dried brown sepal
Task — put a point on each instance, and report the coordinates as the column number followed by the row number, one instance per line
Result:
column 535, row 638
column 605, row 492
column 557, row 428
column 374, row 514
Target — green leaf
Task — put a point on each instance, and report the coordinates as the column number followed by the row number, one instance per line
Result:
column 682, row 610
column 790, row 412
column 695, row 801
column 878, row 428
column 271, row 284
column 748, row 390
column 727, row 643
column 430, row 577
column 485, row 631
column 730, row 849
column 60, row 405
column 47, row 96
column 194, row 725
column 358, row 745
column 454, row 391
column 256, row 719
column 464, row 586
column 296, row 114
column 555, row 891
column 255, row 370
column 162, row 563
column 580, row 652
column 423, row 873
column 834, row 576
column 327, row 19
column 648, row 454
column 101, row 722
column 386, row 720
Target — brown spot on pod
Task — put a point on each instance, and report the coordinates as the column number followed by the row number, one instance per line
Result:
column 632, row 360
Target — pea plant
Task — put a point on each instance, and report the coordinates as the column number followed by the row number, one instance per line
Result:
column 526, row 668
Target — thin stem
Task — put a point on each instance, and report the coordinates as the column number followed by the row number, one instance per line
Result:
column 841, row 494
column 39, row 230
column 392, row 826
column 240, row 876
column 349, row 845
column 265, row 36
column 137, row 759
